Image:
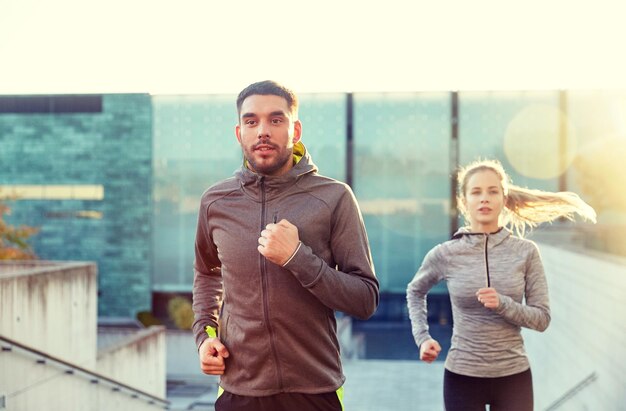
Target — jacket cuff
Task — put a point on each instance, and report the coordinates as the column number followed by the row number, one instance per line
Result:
column 294, row 253
column 505, row 302
column 422, row 339
column 305, row 266
column 208, row 333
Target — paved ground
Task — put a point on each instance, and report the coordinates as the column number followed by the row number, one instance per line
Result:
column 381, row 385
column 371, row 385
column 390, row 379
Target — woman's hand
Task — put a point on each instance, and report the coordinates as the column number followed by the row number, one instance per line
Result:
column 429, row 350
column 488, row 297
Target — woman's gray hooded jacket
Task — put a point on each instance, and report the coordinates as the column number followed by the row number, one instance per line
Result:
column 485, row 342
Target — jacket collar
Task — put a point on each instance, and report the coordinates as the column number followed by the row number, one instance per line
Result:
column 251, row 182
column 466, row 235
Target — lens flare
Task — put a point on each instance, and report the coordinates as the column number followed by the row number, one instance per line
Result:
column 540, row 142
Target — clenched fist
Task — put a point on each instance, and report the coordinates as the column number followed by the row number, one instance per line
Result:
column 429, row 350
column 279, row 241
column 212, row 354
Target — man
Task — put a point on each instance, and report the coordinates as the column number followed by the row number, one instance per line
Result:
column 279, row 248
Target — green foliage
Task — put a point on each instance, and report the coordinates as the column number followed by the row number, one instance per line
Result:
column 181, row 313
column 14, row 240
column 148, row 319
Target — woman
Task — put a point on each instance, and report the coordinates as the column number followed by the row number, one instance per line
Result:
column 489, row 271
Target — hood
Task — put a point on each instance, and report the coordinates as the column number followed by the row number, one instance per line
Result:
column 251, row 181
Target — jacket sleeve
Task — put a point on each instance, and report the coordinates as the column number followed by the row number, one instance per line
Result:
column 207, row 282
column 428, row 275
column 351, row 286
column 535, row 314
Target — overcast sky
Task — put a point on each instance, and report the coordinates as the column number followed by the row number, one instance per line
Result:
column 185, row 47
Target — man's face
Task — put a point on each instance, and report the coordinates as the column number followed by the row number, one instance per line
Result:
column 267, row 132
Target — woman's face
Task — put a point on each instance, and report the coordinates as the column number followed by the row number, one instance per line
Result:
column 484, row 200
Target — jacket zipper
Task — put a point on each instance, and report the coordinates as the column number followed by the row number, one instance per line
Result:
column 487, row 260
column 264, row 286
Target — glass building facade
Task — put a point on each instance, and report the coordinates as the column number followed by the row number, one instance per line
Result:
column 397, row 150
column 81, row 167
column 154, row 156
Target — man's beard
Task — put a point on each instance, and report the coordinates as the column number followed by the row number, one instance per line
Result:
column 270, row 168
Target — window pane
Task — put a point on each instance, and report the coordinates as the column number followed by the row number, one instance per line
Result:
column 323, row 119
column 401, row 168
column 194, row 147
column 520, row 129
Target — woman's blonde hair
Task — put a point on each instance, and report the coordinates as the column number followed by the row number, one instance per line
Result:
column 524, row 208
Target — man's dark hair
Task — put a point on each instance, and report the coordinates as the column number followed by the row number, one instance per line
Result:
column 265, row 88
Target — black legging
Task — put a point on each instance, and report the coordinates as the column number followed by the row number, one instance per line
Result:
column 510, row 393
column 286, row 401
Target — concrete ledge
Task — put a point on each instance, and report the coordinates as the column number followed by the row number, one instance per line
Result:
column 136, row 358
column 51, row 306
column 35, row 267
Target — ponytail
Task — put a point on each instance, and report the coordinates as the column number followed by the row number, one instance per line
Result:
column 526, row 208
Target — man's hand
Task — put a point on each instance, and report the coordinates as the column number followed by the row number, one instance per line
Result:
column 279, row 241
column 212, row 354
column 429, row 350
column 488, row 297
